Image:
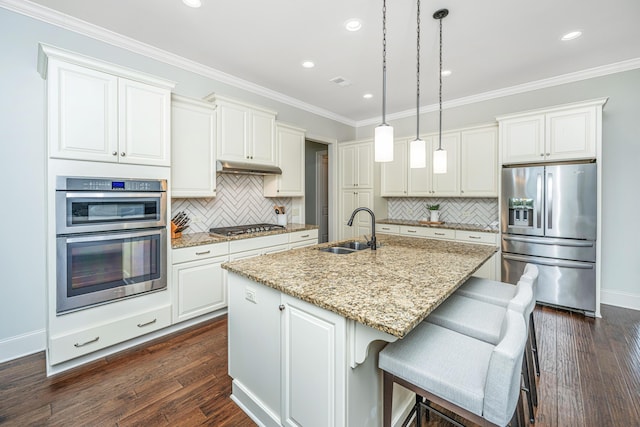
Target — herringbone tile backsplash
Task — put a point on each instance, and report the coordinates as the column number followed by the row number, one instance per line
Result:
column 459, row 210
column 238, row 201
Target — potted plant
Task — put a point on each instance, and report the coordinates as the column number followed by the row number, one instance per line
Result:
column 434, row 211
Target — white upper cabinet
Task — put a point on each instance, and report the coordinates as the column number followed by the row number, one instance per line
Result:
column 245, row 133
column 100, row 112
column 356, row 165
column 568, row 132
column 448, row 184
column 393, row 175
column 479, row 162
column 290, row 158
column 193, row 170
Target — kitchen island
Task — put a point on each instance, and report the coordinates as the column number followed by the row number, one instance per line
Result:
column 305, row 326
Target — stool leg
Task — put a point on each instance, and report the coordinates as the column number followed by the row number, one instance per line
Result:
column 534, row 343
column 532, row 376
column 387, row 387
column 527, row 387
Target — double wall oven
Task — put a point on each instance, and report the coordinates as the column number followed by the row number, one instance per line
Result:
column 111, row 240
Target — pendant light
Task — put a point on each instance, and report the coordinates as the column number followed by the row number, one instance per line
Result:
column 440, row 155
column 418, row 147
column 383, row 137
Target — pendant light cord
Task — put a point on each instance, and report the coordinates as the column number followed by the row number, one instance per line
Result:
column 384, row 61
column 440, row 91
column 418, row 74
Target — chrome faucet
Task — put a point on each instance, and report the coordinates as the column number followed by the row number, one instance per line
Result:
column 371, row 243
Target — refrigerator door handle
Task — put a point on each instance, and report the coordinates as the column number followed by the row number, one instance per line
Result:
column 552, row 242
column 549, row 200
column 539, row 201
column 550, row 262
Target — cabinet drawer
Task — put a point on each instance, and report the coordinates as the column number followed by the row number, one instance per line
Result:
column 440, row 233
column 300, row 236
column 406, row 230
column 387, row 228
column 257, row 243
column 79, row 343
column 476, row 237
column 194, row 253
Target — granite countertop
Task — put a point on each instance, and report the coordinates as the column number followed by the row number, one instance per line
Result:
column 391, row 289
column 197, row 239
column 449, row 225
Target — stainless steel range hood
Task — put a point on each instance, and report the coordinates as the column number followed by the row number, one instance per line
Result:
column 226, row 166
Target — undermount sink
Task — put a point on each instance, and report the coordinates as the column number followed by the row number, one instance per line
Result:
column 338, row 250
column 346, row 248
column 356, row 246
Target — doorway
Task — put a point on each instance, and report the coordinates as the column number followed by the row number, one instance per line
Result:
column 317, row 188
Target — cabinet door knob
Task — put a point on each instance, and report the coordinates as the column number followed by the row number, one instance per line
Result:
column 123, row 154
column 281, row 307
column 548, row 154
column 251, row 157
column 247, row 157
column 541, row 154
column 114, row 153
column 462, row 191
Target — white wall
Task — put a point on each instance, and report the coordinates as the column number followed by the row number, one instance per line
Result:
column 620, row 164
column 23, row 160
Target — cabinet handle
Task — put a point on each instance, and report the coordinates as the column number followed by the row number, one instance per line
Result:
column 385, row 228
column 473, row 237
column 77, row 345
column 123, row 154
column 411, row 231
column 303, row 236
column 142, row 325
column 439, row 234
column 203, row 253
column 114, row 153
column 281, row 307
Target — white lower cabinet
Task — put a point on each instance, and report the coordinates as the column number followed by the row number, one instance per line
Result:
column 78, row 343
column 352, row 199
column 199, row 280
column 313, row 364
column 301, row 239
column 286, row 357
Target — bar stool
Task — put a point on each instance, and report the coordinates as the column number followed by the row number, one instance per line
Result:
column 500, row 293
column 482, row 320
column 476, row 380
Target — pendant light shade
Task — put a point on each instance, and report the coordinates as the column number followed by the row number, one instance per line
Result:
column 383, row 136
column 417, row 154
column 440, row 161
column 417, row 147
column 383, row 143
column 440, row 155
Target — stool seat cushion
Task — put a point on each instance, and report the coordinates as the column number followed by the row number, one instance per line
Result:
column 471, row 317
column 437, row 360
column 491, row 291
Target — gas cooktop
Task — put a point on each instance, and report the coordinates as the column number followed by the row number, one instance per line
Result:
column 244, row 229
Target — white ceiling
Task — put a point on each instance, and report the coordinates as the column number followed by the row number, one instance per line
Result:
column 489, row 44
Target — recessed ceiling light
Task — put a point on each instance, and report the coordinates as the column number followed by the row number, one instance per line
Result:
column 446, row 73
column 353, row 24
column 367, row 96
column 572, row 35
column 308, row 64
column 192, row 3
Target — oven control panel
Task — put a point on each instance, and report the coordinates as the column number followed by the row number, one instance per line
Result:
column 66, row 183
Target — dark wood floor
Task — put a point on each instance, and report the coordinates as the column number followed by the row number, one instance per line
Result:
column 590, row 377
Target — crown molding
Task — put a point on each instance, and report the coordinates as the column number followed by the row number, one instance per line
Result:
column 616, row 67
column 79, row 26
column 70, row 23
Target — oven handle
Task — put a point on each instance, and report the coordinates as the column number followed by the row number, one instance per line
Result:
column 550, row 262
column 112, row 195
column 98, row 237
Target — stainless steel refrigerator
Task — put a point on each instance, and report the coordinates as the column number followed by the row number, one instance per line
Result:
column 548, row 217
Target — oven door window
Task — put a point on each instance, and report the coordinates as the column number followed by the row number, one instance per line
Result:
column 98, row 265
column 103, row 211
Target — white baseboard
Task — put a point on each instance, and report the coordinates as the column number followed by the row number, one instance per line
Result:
column 252, row 406
column 22, row 345
column 620, row 299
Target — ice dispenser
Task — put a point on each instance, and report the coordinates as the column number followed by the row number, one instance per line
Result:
column 520, row 212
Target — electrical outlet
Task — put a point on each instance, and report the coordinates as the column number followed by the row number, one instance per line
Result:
column 250, row 295
column 196, row 219
column 295, row 212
